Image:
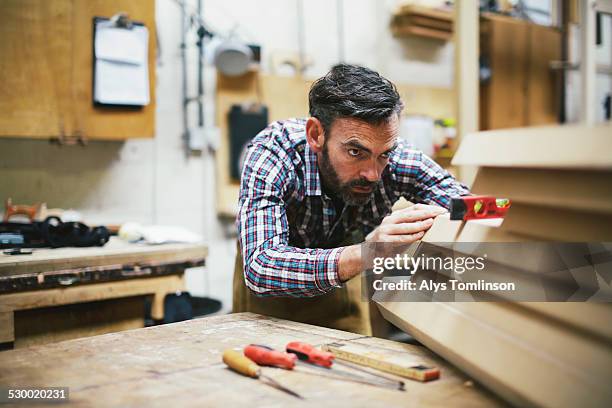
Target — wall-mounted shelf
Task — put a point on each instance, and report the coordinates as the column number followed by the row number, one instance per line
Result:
column 422, row 22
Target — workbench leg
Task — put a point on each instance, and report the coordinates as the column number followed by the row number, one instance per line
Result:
column 177, row 284
column 7, row 327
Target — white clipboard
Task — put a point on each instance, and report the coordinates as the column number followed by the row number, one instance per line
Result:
column 121, row 69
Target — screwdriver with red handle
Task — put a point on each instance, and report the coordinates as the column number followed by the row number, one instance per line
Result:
column 310, row 354
column 267, row 356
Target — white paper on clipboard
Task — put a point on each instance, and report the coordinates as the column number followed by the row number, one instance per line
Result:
column 121, row 64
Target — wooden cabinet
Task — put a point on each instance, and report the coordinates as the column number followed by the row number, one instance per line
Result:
column 46, row 57
column 522, row 90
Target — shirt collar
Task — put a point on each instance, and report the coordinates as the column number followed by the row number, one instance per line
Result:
column 312, row 178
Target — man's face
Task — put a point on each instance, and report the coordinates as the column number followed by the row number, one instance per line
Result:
column 354, row 156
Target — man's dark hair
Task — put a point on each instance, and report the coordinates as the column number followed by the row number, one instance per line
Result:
column 351, row 91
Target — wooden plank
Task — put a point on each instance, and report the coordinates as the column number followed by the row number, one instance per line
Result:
column 432, row 13
column 499, row 343
column 158, row 286
column 180, row 364
column 558, row 224
column 466, row 39
column 539, row 147
column 590, row 190
column 35, row 68
column 115, row 252
column 428, row 32
column 104, row 122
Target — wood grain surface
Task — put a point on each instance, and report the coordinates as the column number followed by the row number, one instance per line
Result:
column 180, row 364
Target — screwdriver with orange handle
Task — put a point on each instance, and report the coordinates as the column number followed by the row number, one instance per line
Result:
column 245, row 366
column 267, row 356
column 310, row 354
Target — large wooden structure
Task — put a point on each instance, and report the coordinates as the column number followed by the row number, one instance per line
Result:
column 529, row 353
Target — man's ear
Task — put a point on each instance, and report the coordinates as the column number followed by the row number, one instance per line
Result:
column 315, row 135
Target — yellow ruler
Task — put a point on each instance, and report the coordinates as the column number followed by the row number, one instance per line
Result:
column 369, row 357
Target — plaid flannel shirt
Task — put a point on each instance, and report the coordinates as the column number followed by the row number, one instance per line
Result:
column 289, row 229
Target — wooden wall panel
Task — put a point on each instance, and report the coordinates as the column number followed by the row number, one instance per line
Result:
column 35, row 68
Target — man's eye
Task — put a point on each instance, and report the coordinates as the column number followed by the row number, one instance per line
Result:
column 385, row 155
column 353, row 152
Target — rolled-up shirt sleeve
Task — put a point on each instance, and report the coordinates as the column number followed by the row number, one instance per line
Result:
column 421, row 180
column 271, row 266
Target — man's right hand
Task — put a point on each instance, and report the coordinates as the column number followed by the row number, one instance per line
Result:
column 402, row 226
column 406, row 225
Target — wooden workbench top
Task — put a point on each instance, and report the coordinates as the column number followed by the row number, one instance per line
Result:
column 116, row 251
column 180, row 365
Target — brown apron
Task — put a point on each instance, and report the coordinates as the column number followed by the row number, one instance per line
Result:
column 341, row 309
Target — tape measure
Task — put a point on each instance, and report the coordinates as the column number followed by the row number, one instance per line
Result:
column 369, row 357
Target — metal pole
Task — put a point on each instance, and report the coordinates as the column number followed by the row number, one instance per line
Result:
column 200, row 68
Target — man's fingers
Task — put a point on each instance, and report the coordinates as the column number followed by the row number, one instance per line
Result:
column 435, row 208
column 409, row 216
column 407, row 228
column 416, row 212
column 405, row 239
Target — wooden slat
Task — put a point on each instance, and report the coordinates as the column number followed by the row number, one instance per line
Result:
column 539, row 147
column 428, row 32
column 528, row 360
column 580, row 190
column 558, row 224
column 413, row 10
column 158, row 286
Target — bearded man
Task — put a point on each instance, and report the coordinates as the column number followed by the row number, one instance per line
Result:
column 313, row 189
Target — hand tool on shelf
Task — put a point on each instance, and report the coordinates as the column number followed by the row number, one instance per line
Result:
column 245, row 366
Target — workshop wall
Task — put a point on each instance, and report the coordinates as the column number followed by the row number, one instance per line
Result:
column 153, row 181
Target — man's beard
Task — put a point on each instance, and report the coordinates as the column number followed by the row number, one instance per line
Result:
column 332, row 183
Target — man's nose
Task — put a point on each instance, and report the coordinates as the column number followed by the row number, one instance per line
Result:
column 371, row 173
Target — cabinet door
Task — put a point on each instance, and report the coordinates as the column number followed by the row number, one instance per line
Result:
column 544, row 85
column 46, row 70
column 96, row 122
column 504, row 95
column 35, row 68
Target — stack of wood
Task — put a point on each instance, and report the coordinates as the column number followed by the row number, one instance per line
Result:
column 530, row 353
column 423, row 22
